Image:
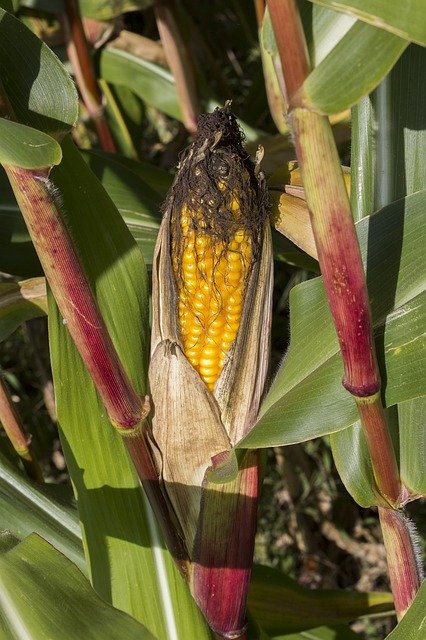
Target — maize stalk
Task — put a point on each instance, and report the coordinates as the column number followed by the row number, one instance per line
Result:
column 212, row 292
column 346, row 289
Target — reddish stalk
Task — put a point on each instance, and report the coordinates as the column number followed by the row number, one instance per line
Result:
column 223, row 550
column 344, row 281
column 140, row 454
column 179, row 61
column 127, row 411
column 15, row 431
column 404, row 562
column 40, row 206
column 78, row 54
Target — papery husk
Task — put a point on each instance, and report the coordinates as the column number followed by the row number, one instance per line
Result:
column 239, row 388
column 187, row 431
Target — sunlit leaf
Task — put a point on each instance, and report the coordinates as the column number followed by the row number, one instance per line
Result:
column 43, row 595
column 306, row 398
column 403, row 19
column 152, row 83
column 28, row 66
column 22, row 146
column 353, row 68
column 46, row 509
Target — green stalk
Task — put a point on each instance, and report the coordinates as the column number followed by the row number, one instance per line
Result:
column 180, row 62
column 42, row 210
column 15, row 431
column 78, row 54
column 342, row 270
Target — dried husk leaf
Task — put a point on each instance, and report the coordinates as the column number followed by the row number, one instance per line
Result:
column 239, row 387
column 187, row 431
column 290, row 216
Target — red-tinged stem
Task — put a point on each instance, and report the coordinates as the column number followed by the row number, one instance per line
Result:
column 223, row 550
column 403, row 557
column 337, row 246
column 346, row 289
column 15, row 431
column 180, row 62
column 291, row 44
column 380, row 446
column 259, row 7
column 338, row 250
column 78, row 54
column 40, row 205
column 344, row 281
column 139, row 452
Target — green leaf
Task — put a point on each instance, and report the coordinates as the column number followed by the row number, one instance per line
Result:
column 386, row 155
column 353, row 68
column 129, row 566
column 17, row 253
column 152, row 83
column 324, row 28
column 321, row 633
column 20, row 301
column 280, row 605
column 307, row 398
column 104, row 10
column 29, row 71
column 22, row 146
column 405, row 20
column 353, row 462
column 7, row 5
column 138, row 203
column 153, row 176
column 125, row 113
column 46, row 509
column 389, row 137
column 43, row 595
column 412, row 625
column 412, row 436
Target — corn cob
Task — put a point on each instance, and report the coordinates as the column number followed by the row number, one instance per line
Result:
column 211, row 293
column 214, row 242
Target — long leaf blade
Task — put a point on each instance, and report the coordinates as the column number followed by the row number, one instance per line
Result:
column 368, row 52
column 58, row 602
column 28, row 66
column 306, row 398
column 404, row 20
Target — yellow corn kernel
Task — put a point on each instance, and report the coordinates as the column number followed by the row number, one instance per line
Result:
column 211, row 277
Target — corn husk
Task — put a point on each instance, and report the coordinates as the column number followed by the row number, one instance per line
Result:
column 194, row 429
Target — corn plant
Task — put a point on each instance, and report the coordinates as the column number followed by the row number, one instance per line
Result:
column 158, row 292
